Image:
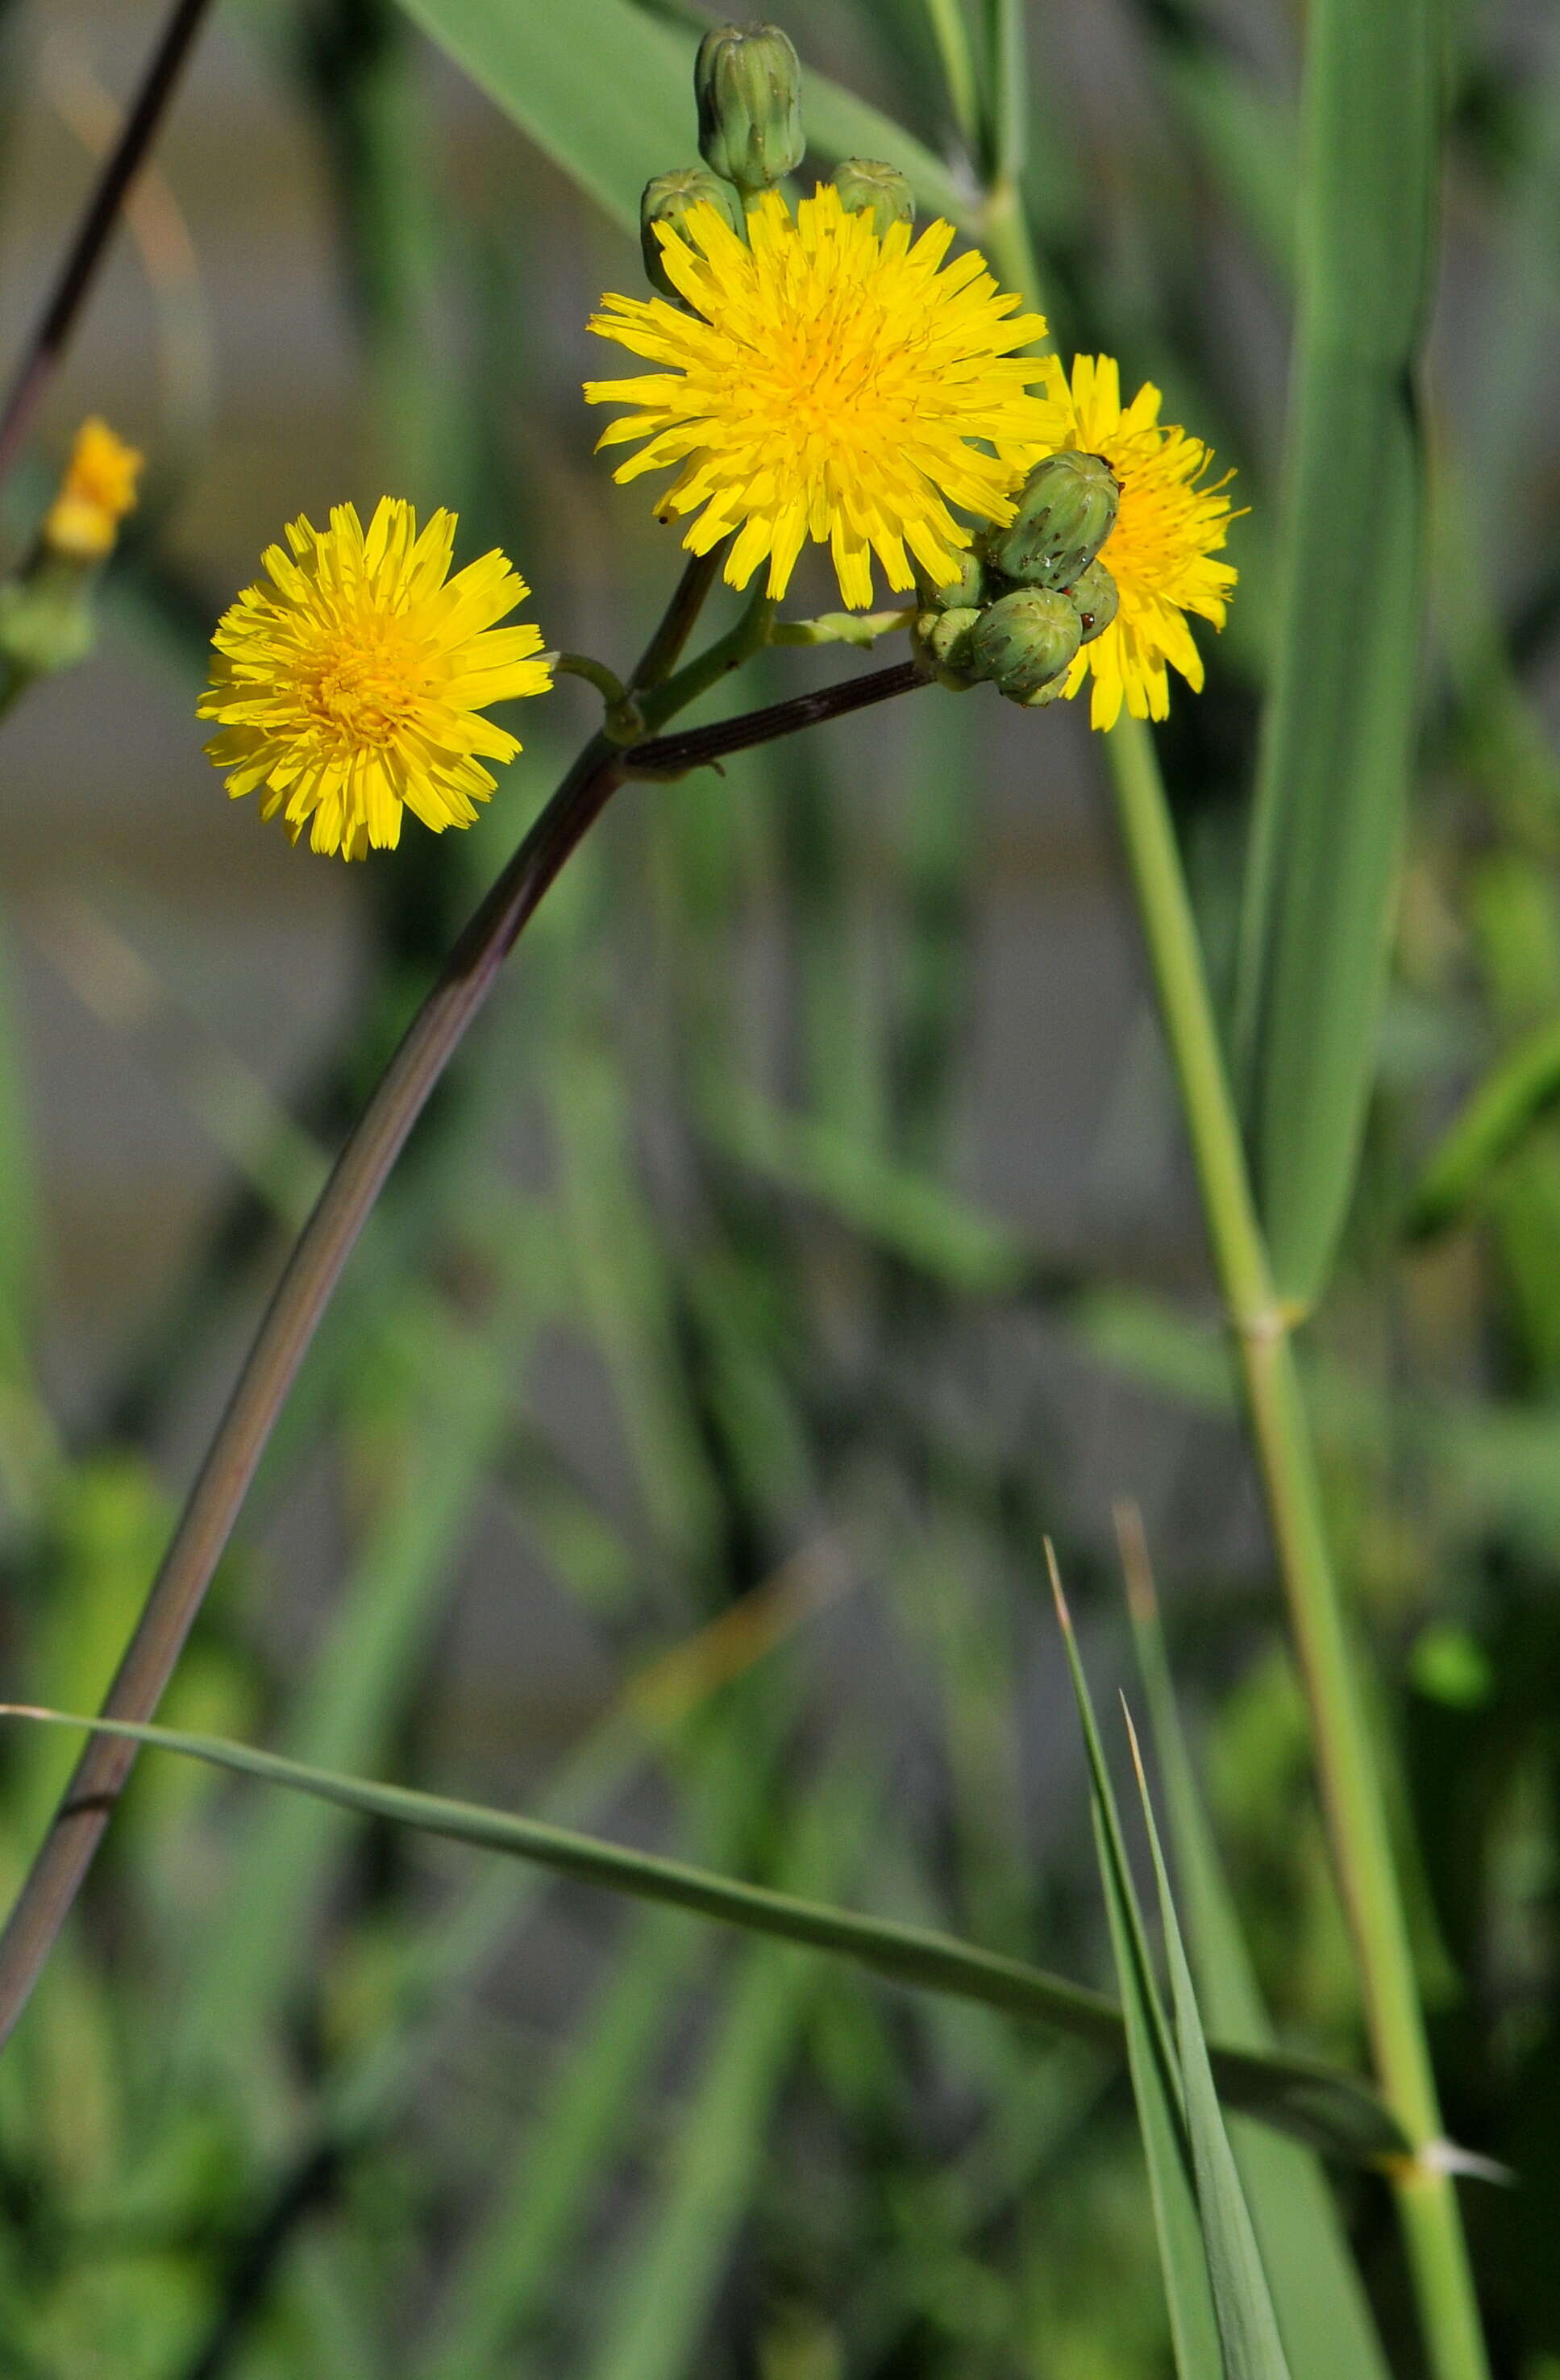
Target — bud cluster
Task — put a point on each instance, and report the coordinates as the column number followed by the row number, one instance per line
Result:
column 747, row 86
column 1032, row 593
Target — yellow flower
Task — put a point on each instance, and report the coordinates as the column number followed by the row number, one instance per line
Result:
column 1160, row 551
column 351, row 687
column 826, row 385
column 98, row 489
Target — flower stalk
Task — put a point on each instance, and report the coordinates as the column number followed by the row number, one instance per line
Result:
column 298, row 1303
column 1351, row 1789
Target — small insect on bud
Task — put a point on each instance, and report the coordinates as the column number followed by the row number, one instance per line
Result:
column 968, row 588
column 665, row 201
column 867, row 187
column 1067, row 509
column 944, row 638
column 1024, row 642
column 747, row 80
column 1094, row 596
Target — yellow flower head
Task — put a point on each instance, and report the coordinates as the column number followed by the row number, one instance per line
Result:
column 351, row 686
column 98, row 489
column 826, row 384
column 1160, row 551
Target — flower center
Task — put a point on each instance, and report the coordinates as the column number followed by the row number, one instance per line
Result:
column 830, row 377
column 360, row 689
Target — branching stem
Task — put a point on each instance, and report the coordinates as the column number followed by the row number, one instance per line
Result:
column 303, row 1291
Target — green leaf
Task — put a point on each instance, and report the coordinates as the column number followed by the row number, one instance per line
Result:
column 1315, row 2102
column 611, row 131
column 1323, row 2313
column 1151, row 2056
column 1338, row 729
column 1242, row 2303
column 1522, row 1088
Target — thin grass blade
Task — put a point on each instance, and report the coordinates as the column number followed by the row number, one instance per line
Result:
column 1151, row 2056
column 659, row 2308
column 1248, row 2326
column 1324, row 2317
column 1517, row 1092
column 1315, row 2102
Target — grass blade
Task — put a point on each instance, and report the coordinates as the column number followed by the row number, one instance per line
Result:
column 1242, row 2303
column 1315, row 2102
column 661, row 2303
column 610, row 132
column 498, row 2287
column 1151, row 2054
column 1324, row 2317
column 1522, row 1088
column 1338, row 729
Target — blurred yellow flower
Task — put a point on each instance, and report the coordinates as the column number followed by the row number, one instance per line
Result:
column 350, row 688
column 826, row 385
column 1160, row 551
column 98, row 489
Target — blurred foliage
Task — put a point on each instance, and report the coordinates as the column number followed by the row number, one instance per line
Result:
column 300, row 2095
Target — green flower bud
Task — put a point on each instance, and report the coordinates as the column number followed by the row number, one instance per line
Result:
column 969, row 588
column 45, row 618
column 1094, row 596
column 665, row 201
column 1066, row 511
column 944, row 638
column 747, row 80
column 867, row 187
column 1024, row 642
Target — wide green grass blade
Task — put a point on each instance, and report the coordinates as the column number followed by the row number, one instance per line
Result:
column 1315, row 2102
column 1242, row 2303
column 1322, row 2314
column 547, row 67
column 1151, row 2056
column 1338, row 730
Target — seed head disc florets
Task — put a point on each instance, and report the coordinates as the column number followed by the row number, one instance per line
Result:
column 822, row 383
column 350, row 688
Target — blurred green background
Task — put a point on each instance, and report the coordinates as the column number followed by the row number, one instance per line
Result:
column 805, row 1232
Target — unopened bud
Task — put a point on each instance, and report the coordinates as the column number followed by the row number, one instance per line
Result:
column 1025, row 642
column 45, row 619
column 944, row 637
column 1094, row 596
column 968, row 588
column 665, row 201
column 747, row 80
column 1066, row 510
column 867, row 187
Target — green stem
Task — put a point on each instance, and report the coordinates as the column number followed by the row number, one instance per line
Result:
column 1005, row 238
column 952, row 37
column 328, row 1238
column 1006, row 136
column 624, row 722
column 1351, row 1789
column 748, row 635
column 608, row 683
column 676, row 624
